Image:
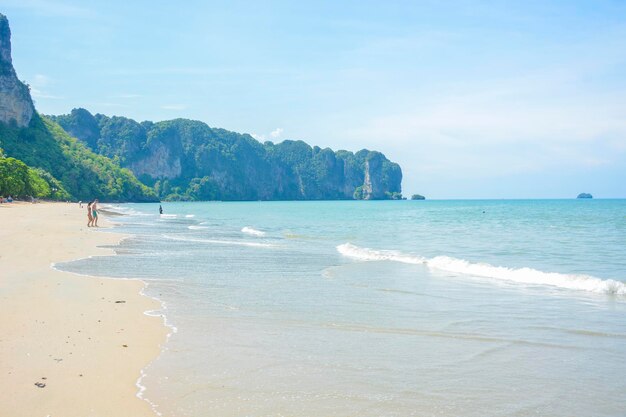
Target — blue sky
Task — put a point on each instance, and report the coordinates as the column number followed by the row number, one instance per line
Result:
column 475, row 99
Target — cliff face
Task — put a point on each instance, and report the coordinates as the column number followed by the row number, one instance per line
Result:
column 16, row 105
column 157, row 163
column 188, row 159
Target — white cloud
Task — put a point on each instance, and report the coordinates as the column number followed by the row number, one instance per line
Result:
column 50, row 8
column 127, row 95
column 39, row 87
column 203, row 71
column 40, row 80
column 36, row 93
column 110, row 104
column 543, row 124
column 260, row 138
column 174, row 107
column 276, row 132
column 479, row 120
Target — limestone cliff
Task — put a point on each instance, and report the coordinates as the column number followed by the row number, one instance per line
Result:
column 158, row 162
column 16, row 105
column 186, row 159
column 372, row 184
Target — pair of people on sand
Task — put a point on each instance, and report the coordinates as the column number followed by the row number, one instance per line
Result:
column 92, row 213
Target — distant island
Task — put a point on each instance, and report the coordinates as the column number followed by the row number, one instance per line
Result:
column 584, row 195
column 82, row 156
column 417, row 197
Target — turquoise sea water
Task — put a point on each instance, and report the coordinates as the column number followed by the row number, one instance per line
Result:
column 405, row 308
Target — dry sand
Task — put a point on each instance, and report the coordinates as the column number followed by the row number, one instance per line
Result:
column 67, row 331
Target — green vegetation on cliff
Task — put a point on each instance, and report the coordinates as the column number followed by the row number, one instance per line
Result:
column 66, row 165
column 188, row 160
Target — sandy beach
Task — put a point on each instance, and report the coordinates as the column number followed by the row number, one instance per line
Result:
column 83, row 340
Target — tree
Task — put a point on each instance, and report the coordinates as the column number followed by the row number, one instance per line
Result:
column 13, row 177
column 358, row 193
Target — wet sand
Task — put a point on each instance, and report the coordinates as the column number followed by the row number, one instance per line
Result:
column 70, row 345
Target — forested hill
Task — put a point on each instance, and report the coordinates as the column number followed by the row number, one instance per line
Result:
column 187, row 159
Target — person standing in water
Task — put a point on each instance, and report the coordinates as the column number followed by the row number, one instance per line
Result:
column 160, row 209
column 94, row 212
column 89, row 215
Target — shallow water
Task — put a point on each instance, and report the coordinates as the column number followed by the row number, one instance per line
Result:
column 425, row 308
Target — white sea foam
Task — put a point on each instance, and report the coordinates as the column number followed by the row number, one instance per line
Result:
column 169, row 216
column 197, row 227
column 366, row 254
column 122, row 210
column 519, row 275
column 172, row 330
column 190, row 215
column 220, row 242
column 253, row 232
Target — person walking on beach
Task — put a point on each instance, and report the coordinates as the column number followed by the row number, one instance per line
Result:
column 94, row 212
column 89, row 216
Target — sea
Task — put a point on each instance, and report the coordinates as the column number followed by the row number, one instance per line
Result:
column 381, row 308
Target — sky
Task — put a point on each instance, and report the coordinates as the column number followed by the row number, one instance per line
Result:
column 474, row 99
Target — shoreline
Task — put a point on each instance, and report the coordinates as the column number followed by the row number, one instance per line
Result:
column 71, row 344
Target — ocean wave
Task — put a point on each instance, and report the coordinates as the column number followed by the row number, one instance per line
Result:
column 253, row 232
column 517, row 275
column 112, row 207
column 197, row 227
column 190, row 215
column 366, row 254
column 220, row 242
column 169, row 216
column 126, row 211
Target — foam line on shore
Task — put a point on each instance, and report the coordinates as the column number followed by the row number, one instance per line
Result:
column 172, row 330
column 524, row 275
column 220, row 242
